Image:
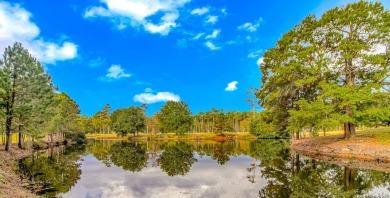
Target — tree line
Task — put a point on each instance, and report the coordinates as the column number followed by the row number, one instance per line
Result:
column 173, row 117
column 328, row 72
column 30, row 104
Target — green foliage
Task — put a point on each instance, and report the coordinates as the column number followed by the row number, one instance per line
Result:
column 130, row 156
column 26, row 92
column 54, row 171
column 218, row 121
column 101, row 121
column 177, row 159
column 263, row 127
column 128, row 120
column 85, row 124
column 175, row 117
column 65, row 115
column 329, row 71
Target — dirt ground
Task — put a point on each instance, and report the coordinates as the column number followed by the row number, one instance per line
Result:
column 363, row 152
column 10, row 183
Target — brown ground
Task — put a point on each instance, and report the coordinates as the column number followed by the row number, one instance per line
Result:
column 10, row 183
column 361, row 152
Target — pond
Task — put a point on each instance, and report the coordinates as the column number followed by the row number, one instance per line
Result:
column 261, row 168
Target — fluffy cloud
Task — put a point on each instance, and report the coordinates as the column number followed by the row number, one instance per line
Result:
column 200, row 11
column 213, row 35
column 136, row 13
column 116, row 72
column 16, row 26
column 260, row 61
column 212, row 19
column 149, row 98
column 231, row 86
column 251, row 27
column 211, row 45
column 255, row 54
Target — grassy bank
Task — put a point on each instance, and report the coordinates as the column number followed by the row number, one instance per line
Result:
column 10, row 184
column 370, row 147
column 173, row 136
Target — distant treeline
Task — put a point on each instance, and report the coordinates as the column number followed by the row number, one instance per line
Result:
column 174, row 117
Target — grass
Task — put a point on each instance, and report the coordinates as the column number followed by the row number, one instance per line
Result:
column 330, row 133
column 15, row 137
column 379, row 135
column 370, row 135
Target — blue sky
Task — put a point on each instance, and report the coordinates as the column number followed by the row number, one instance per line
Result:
column 129, row 52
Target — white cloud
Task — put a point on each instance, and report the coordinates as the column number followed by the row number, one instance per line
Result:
column 200, row 11
column 213, row 35
column 224, row 11
column 212, row 19
column 149, row 98
column 148, row 90
column 251, row 27
column 116, row 72
column 255, row 54
column 231, row 86
column 198, row 36
column 135, row 13
column 211, row 46
column 16, row 26
column 260, row 61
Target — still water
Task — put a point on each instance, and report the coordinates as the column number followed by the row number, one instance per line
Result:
column 262, row 168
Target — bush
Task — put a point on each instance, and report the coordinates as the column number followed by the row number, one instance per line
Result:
column 263, row 130
column 78, row 138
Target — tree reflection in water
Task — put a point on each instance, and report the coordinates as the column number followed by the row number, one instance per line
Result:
column 52, row 171
column 177, row 159
column 270, row 164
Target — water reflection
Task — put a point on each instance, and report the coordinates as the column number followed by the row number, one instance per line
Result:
column 265, row 168
column 52, row 171
column 177, row 159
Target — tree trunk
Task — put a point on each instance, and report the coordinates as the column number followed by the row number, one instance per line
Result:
column 20, row 139
column 349, row 128
column 349, row 178
column 297, row 135
column 8, row 133
column 297, row 163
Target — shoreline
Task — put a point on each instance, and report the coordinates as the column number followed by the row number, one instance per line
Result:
column 10, row 183
column 361, row 152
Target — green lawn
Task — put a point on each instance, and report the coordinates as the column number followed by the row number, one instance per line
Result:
column 379, row 135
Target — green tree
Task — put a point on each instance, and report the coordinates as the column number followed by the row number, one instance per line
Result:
column 337, row 64
column 64, row 120
column 25, row 90
column 175, row 117
column 128, row 120
column 102, row 120
column 85, row 124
